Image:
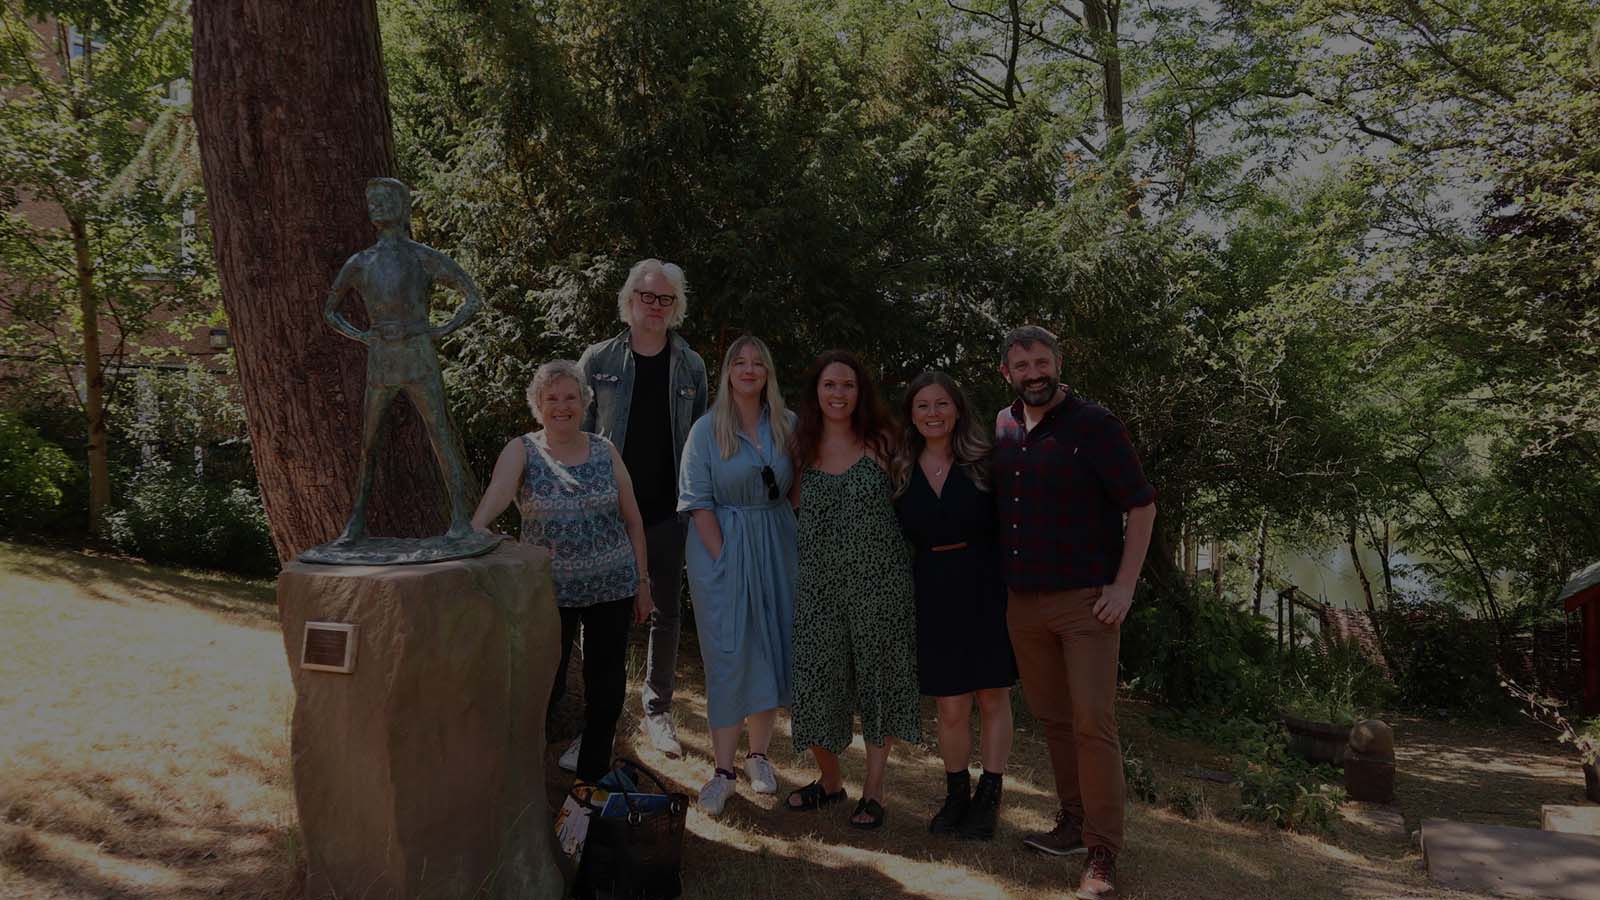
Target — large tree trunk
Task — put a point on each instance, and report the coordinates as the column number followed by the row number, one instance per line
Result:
column 94, row 380
column 292, row 111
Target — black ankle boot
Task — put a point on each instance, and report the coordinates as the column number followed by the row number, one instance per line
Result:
column 957, row 797
column 978, row 823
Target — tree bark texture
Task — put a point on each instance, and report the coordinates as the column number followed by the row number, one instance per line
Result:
column 1361, row 572
column 1191, row 555
column 1261, row 560
column 94, row 381
column 1102, row 20
column 1490, row 608
column 292, row 110
column 1217, row 556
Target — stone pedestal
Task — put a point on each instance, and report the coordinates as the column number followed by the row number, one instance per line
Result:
column 1369, row 779
column 1369, row 763
column 420, row 774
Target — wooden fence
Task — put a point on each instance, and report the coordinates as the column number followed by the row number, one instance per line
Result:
column 1548, row 659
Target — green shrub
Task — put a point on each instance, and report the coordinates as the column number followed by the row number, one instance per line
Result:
column 1336, row 683
column 1186, row 800
column 1285, row 798
column 1141, row 780
column 35, row 476
column 1187, row 650
column 1280, row 789
column 1443, row 660
column 1341, row 679
column 168, row 517
column 1274, row 787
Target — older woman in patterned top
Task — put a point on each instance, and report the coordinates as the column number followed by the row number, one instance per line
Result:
column 577, row 502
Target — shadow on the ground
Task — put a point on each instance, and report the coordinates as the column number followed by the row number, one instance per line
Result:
column 757, row 849
column 114, row 580
column 118, row 837
column 1494, row 775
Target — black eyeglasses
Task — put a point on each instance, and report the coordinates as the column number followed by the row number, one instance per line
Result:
column 664, row 301
column 770, row 479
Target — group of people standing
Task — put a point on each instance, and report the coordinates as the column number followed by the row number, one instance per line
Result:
column 841, row 566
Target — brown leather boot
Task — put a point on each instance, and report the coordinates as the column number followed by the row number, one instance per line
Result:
column 1099, row 875
column 1066, row 839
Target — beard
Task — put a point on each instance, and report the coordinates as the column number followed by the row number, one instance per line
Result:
column 1038, row 391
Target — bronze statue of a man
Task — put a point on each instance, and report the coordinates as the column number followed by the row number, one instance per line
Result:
column 395, row 279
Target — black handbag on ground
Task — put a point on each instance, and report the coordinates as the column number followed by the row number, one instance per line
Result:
column 637, row 852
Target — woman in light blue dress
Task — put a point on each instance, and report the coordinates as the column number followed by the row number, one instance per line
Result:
column 741, row 555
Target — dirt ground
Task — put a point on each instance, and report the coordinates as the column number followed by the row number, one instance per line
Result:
column 144, row 754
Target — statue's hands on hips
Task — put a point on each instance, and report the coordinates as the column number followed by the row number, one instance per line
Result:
column 643, row 604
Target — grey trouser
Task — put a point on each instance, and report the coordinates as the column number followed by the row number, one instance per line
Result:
column 664, row 549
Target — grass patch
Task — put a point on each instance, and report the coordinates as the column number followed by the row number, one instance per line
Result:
column 144, row 724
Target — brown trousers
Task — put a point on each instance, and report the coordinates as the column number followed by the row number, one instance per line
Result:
column 1068, row 662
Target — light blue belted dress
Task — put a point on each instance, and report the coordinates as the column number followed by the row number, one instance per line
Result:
column 743, row 600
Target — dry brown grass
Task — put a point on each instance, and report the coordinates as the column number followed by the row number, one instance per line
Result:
column 143, row 754
column 143, row 743
column 757, row 849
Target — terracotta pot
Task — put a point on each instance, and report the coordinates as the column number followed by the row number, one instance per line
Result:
column 1591, row 782
column 1318, row 742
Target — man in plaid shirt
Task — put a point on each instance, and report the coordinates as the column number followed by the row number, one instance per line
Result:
column 1065, row 475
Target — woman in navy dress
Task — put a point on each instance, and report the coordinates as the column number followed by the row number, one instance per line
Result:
column 941, row 478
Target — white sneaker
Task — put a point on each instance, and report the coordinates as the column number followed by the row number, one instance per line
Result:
column 569, row 756
column 763, row 777
column 663, row 734
column 714, row 796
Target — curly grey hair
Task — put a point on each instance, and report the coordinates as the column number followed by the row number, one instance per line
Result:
column 553, row 371
column 674, row 275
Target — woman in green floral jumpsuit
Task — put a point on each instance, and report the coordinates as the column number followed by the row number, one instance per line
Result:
column 855, row 626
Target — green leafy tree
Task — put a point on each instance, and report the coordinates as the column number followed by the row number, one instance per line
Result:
column 1474, row 126
column 33, row 473
column 82, row 80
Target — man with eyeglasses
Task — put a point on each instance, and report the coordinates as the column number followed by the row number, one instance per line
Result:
column 649, row 387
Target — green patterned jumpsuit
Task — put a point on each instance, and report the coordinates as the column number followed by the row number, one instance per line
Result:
column 855, row 634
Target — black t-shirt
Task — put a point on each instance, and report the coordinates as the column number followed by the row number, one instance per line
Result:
column 647, row 450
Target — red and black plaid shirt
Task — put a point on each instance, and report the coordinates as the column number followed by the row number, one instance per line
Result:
column 1062, row 489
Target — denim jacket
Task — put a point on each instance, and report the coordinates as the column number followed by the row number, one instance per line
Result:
column 609, row 367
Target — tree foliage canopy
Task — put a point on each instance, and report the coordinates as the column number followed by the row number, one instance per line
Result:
column 1333, row 262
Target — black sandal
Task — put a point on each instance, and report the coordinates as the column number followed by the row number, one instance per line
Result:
column 872, row 808
column 814, row 796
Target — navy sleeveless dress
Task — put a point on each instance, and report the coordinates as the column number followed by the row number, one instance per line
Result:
column 962, row 642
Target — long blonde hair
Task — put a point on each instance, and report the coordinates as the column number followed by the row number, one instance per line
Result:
column 725, row 419
column 968, row 443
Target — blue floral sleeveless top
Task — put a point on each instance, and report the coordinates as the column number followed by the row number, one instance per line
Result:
column 574, row 512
